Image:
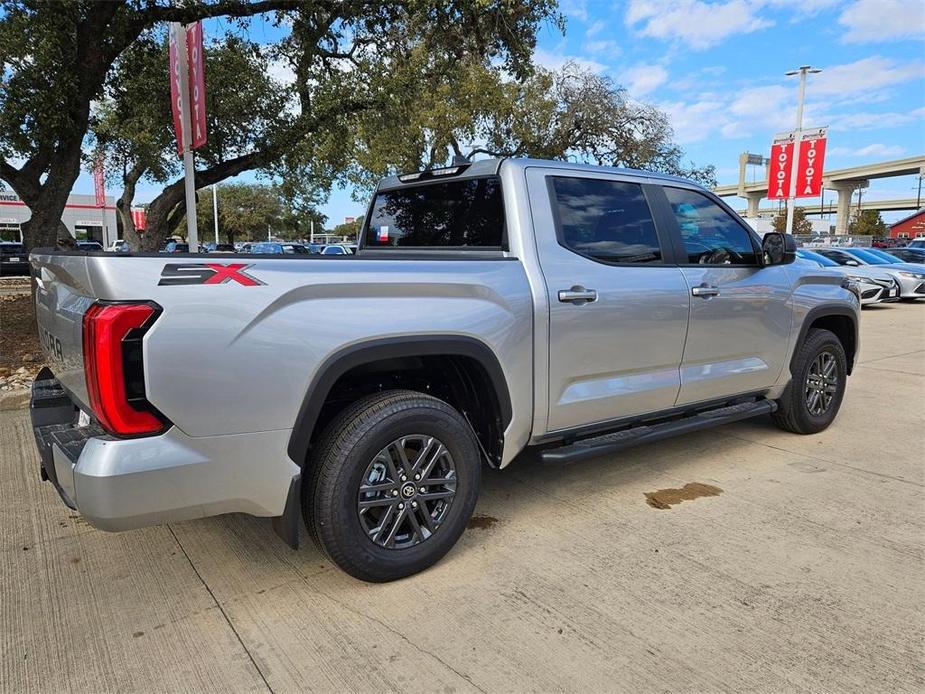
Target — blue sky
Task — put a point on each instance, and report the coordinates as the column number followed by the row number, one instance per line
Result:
column 717, row 68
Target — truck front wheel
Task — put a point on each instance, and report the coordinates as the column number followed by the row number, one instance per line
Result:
column 393, row 481
column 820, row 371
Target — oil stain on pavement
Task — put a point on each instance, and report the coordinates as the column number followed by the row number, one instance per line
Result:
column 481, row 522
column 666, row 498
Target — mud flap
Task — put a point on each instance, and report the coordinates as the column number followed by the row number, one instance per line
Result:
column 286, row 526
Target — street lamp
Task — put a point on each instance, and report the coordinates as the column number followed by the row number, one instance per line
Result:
column 802, row 71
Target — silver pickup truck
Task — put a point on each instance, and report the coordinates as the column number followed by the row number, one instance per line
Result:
column 493, row 309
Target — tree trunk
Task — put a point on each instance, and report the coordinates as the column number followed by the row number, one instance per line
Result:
column 166, row 210
column 124, row 207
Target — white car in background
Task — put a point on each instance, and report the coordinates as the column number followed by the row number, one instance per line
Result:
column 874, row 285
column 911, row 278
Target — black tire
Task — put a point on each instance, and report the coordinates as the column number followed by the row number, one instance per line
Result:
column 793, row 411
column 341, row 460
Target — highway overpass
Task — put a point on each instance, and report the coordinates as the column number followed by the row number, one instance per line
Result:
column 814, row 208
column 843, row 181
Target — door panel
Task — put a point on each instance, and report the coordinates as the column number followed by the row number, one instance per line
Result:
column 740, row 312
column 737, row 339
column 619, row 354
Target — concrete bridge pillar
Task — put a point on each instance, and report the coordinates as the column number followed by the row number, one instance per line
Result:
column 753, row 200
column 845, row 190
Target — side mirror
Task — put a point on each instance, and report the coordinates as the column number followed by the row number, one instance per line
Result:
column 778, row 249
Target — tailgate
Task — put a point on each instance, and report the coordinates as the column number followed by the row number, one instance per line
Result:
column 62, row 296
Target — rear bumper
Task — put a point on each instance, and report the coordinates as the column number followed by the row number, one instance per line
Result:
column 119, row 484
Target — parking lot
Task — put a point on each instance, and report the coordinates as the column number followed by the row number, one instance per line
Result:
column 804, row 573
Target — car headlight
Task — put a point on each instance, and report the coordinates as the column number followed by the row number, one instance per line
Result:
column 913, row 275
column 855, row 278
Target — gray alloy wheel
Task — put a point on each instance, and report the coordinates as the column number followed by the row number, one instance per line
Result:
column 821, row 384
column 407, row 491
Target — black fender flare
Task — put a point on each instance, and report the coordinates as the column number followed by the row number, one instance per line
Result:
column 361, row 353
column 824, row 311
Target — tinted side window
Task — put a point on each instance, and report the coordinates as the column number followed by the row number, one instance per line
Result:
column 840, row 258
column 605, row 220
column 439, row 215
column 711, row 236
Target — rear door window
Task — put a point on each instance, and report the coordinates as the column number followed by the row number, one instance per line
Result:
column 605, row 220
column 466, row 213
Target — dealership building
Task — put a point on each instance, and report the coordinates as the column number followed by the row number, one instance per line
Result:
column 82, row 216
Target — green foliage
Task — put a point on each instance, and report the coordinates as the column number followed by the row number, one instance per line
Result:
column 350, row 230
column 867, row 223
column 801, row 225
column 470, row 108
column 247, row 210
column 56, row 57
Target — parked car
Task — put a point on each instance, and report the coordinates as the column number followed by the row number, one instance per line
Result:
column 119, row 246
column 616, row 308
column 916, row 243
column 885, row 242
column 910, row 254
column 911, row 278
column 336, row 249
column 295, row 248
column 13, row 259
column 88, row 246
column 175, row 247
column 223, row 248
column 873, row 284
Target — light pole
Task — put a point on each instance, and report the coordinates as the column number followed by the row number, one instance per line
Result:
column 802, row 71
column 215, row 211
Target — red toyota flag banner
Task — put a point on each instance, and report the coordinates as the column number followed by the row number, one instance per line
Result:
column 809, row 167
column 779, row 175
column 175, row 91
column 197, row 84
column 99, row 184
column 139, row 218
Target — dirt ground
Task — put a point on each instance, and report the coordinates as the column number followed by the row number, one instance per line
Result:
column 19, row 342
column 791, row 564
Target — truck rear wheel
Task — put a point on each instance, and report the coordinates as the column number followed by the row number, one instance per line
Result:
column 814, row 395
column 394, row 480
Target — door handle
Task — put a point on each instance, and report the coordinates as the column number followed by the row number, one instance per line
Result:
column 705, row 291
column 577, row 295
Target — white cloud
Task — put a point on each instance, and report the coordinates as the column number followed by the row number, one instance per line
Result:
column 596, row 28
column 640, row 80
column 865, row 120
column 281, row 71
column 695, row 121
column 575, row 8
column 883, row 20
column 694, row 22
column 875, row 150
column 554, row 61
column 863, row 75
column 604, row 48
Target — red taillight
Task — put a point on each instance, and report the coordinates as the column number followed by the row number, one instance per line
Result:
column 107, row 333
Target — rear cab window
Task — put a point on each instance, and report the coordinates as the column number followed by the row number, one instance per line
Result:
column 465, row 213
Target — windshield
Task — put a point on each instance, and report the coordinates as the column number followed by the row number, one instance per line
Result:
column 333, row 250
column 815, row 257
column 866, row 256
column 883, row 255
